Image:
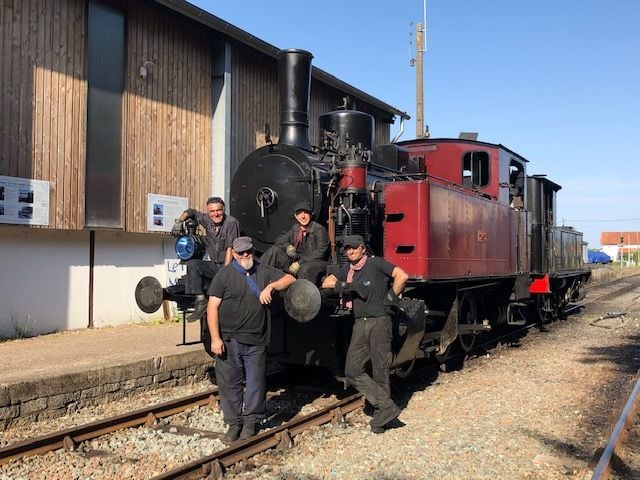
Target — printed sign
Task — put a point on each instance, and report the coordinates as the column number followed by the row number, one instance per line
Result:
column 24, row 201
column 162, row 210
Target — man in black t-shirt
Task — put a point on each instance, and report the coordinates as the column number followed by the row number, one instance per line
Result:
column 238, row 320
column 364, row 283
column 222, row 230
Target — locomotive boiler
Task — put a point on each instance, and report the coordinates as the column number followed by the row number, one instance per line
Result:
column 476, row 234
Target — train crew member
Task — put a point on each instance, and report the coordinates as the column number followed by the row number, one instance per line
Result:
column 238, row 320
column 367, row 279
column 222, row 230
column 303, row 250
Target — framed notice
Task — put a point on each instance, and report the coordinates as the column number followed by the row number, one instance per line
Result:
column 24, row 201
column 162, row 210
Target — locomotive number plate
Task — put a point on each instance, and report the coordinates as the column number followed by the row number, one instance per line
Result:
column 482, row 236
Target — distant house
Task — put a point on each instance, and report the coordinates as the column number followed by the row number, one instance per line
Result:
column 615, row 244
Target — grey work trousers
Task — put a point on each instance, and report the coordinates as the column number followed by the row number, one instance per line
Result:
column 371, row 342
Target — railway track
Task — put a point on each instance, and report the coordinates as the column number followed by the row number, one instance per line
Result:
column 210, row 466
column 618, row 435
column 214, row 466
column 70, row 437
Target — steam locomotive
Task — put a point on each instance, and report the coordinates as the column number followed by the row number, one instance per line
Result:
column 475, row 233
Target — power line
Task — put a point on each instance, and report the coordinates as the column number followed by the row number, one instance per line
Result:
column 601, row 221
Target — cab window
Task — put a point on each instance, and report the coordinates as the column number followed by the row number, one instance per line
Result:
column 475, row 169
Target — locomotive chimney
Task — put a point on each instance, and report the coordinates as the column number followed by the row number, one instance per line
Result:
column 294, row 77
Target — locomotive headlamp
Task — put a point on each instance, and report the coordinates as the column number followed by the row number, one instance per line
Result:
column 189, row 246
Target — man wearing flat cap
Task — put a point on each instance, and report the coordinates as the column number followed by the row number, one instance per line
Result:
column 364, row 286
column 238, row 320
column 303, row 250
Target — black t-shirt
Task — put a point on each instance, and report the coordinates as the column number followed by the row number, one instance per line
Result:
column 241, row 315
column 376, row 276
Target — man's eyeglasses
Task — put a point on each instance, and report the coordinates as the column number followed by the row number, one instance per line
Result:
column 246, row 253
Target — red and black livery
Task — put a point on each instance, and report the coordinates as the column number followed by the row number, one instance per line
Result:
column 474, row 231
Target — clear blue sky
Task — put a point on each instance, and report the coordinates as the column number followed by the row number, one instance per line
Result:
column 555, row 80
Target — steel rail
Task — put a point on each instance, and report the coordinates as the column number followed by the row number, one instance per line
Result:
column 213, row 466
column 69, row 437
column 603, row 468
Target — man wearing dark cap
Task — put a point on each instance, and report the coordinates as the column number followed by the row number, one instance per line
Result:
column 303, row 250
column 364, row 286
column 238, row 320
column 221, row 230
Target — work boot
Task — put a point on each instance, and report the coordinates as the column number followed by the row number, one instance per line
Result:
column 199, row 308
column 248, row 430
column 395, row 423
column 232, row 434
column 384, row 415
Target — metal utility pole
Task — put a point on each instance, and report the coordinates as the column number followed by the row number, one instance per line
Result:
column 419, row 84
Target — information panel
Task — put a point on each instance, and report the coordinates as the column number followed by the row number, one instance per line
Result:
column 24, row 201
column 162, row 210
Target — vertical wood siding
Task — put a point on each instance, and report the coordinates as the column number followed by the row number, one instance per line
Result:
column 43, row 100
column 254, row 101
column 167, row 116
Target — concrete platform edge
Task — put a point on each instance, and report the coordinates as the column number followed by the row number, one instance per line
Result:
column 41, row 399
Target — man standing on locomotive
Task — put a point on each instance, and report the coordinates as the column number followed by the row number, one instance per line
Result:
column 238, row 319
column 303, row 249
column 366, row 279
column 221, row 230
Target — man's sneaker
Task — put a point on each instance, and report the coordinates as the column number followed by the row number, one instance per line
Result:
column 199, row 308
column 384, row 415
column 248, row 430
column 232, row 434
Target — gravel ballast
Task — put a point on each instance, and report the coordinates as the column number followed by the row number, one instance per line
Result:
column 537, row 409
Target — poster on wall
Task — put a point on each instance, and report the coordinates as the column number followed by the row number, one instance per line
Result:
column 24, row 201
column 162, row 210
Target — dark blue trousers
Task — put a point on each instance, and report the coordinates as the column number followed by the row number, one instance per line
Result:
column 242, row 364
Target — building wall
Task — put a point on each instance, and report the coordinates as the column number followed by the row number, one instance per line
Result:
column 167, row 115
column 43, row 100
column 45, row 278
column 166, row 134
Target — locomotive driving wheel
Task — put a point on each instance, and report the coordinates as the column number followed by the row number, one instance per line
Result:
column 468, row 315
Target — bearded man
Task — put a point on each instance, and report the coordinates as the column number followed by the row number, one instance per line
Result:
column 239, row 324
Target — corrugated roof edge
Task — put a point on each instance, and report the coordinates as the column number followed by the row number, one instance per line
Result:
column 195, row 13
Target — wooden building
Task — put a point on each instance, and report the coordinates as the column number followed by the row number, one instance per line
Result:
column 109, row 101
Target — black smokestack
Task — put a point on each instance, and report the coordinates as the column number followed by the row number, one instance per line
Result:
column 294, row 76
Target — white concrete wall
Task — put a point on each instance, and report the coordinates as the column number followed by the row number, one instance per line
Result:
column 44, row 278
column 611, row 250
